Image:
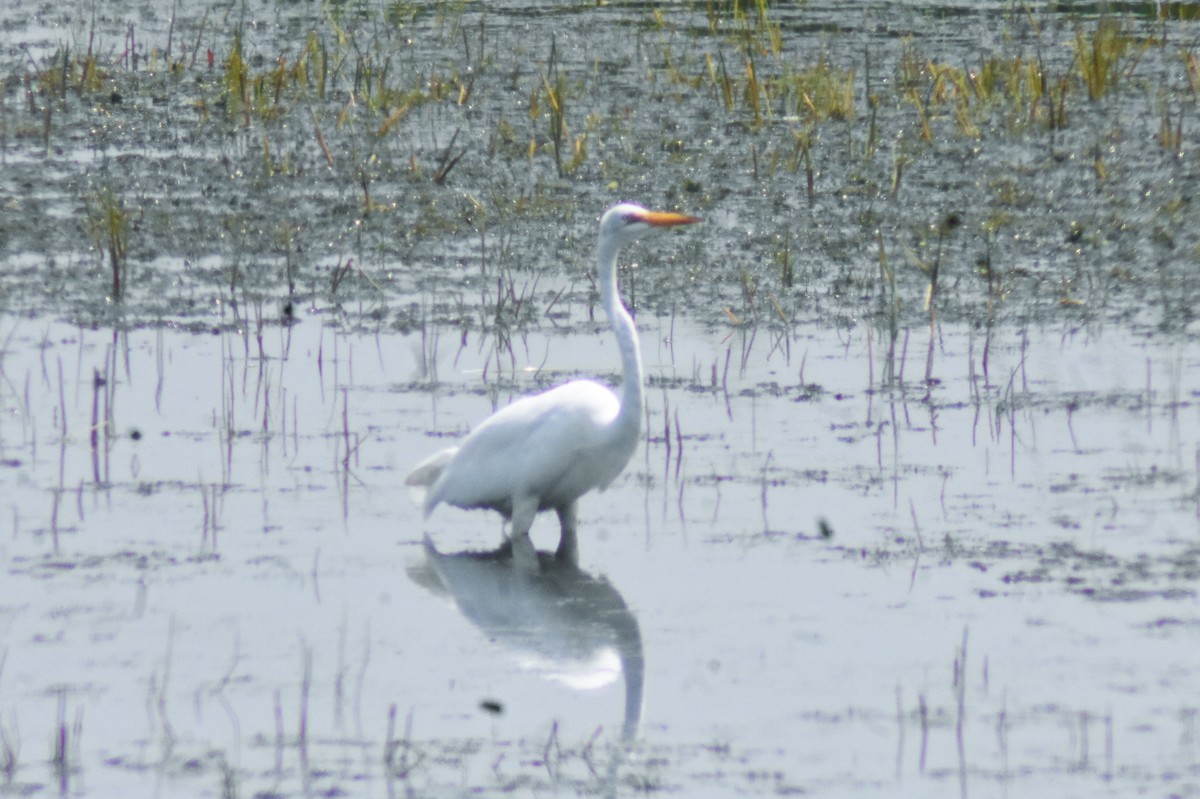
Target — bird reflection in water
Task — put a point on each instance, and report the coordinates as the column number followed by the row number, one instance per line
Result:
column 558, row 620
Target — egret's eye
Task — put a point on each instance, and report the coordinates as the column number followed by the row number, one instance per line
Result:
column 632, row 218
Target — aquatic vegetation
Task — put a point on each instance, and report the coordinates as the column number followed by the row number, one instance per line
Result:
column 108, row 225
column 748, row 23
column 237, row 97
column 804, row 148
column 556, row 100
column 67, row 69
column 783, row 256
column 721, row 79
column 820, row 92
column 1003, row 93
column 1170, row 127
column 386, row 112
column 753, row 94
column 1100, row 55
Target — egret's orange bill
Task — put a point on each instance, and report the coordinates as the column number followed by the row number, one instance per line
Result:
column 668, row 218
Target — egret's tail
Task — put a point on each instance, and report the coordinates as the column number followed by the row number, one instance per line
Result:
column 426, row 473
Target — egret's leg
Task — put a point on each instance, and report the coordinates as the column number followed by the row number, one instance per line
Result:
column 524, row 555
column 568, row 543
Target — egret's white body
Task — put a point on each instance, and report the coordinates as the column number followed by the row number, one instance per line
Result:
column 544, row 452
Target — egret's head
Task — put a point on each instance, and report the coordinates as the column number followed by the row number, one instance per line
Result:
column 627, row 222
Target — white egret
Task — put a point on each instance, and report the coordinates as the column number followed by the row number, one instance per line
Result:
column 546, row 451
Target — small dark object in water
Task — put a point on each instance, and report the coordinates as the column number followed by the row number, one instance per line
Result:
column 491, row 706
column 135, row 434
column 824, row 529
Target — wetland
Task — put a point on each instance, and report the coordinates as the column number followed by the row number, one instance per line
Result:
column 918, row 506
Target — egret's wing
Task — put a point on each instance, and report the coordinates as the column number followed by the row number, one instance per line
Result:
column 526, row 446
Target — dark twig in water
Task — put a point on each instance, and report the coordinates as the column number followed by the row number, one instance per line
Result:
column 62, row 743
column 302, row 734
column 763, row 492
column 446, row 162
column 552, row 743
column 923, row 713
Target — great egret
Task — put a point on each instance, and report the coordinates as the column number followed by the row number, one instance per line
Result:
column 546, row 451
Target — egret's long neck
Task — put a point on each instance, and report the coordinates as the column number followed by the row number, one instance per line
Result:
column 630, row 417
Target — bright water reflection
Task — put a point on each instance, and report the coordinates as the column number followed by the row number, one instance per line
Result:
column 560, row 622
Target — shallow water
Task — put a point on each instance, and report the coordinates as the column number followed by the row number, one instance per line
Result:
column 171, row 612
